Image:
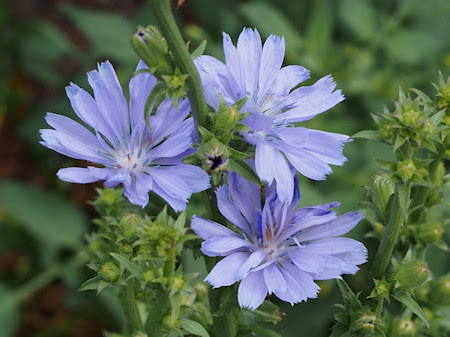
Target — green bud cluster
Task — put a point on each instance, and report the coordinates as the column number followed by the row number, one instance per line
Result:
column 142, row 250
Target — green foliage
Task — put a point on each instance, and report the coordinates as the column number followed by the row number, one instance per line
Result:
column 52, row 220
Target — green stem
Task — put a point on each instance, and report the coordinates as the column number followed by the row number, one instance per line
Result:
column 46, row 277
column 170, row 31
column 389, row 238
column 130, row 307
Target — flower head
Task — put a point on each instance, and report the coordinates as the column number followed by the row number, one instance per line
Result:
column 254, row 71
column 143, row 159
column 276, row 248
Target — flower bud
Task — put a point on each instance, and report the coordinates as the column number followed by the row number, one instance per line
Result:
column 411, row 274
column 387, row 131
column 382, row 190
column 410, row 117
column 365, row 325
column 405, row 327
column 110, row 272
column 428, row 129
column 215, row 155
column 430, row 232
column 226, row 118
column 152, row 48
column 127, row 224
column 406, row 169
column 201, row 290
column 440, row 290
column 438, row 173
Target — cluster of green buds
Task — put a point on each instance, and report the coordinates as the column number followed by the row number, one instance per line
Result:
column 140, row 252
column 402, row 210
column 418, row 131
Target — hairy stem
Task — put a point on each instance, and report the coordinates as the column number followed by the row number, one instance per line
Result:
column 170, row 31
column 130, row 307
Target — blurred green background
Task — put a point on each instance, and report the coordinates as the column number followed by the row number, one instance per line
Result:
column 371, row 47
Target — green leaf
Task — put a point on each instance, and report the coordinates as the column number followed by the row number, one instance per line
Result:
column 132, row 268
column 9, row 312
column 199, row 50
column 194, row 328
column 320, row 24
column 405, row 298
column 39, row 61
column 404, row 192
column 244, row 170
column 181, row 220
column 91, row 284
column 108, row 33
column 368, row 134
column 263, row 331
column 411, row 46
column 348, row 295
column 45, row 215
column 270, row 20
column 359, row 16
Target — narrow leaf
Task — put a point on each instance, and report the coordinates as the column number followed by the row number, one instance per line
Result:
column 368, row 134
column 132, row 268
column 199, row 50
column 405, row 298
column 244, row 170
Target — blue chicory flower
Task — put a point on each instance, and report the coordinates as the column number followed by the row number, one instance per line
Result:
column 254, row 71
column 143, row 159
column 276, row 248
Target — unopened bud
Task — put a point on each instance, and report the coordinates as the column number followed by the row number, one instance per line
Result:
column 201, row 290
column 430, row 232
column 440, row 290
column 405, row 327
column 128, row 224
column 152, row 48
column 216, row 155
column 410, row 117
column 406, row 169
column 387, row 131
column 365, row 325
column 438, row 173
column 110, row 272
column 226, row 118
column 411, row 274
column 428, row 129
column 382, row 189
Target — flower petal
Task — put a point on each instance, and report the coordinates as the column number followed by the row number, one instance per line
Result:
column 274, row 279
column 224, row 245
column 336, row 227
column 252, row 290
column 207, row 228
column 224, row 272
column 140, row 86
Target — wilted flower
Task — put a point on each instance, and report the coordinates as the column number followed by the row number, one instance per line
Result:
column 143, row 159
column 276, row 249
column 254, row 71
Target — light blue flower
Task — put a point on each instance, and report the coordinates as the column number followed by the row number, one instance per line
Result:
column 254, row 71
column 276, row 248
column 142, row 159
